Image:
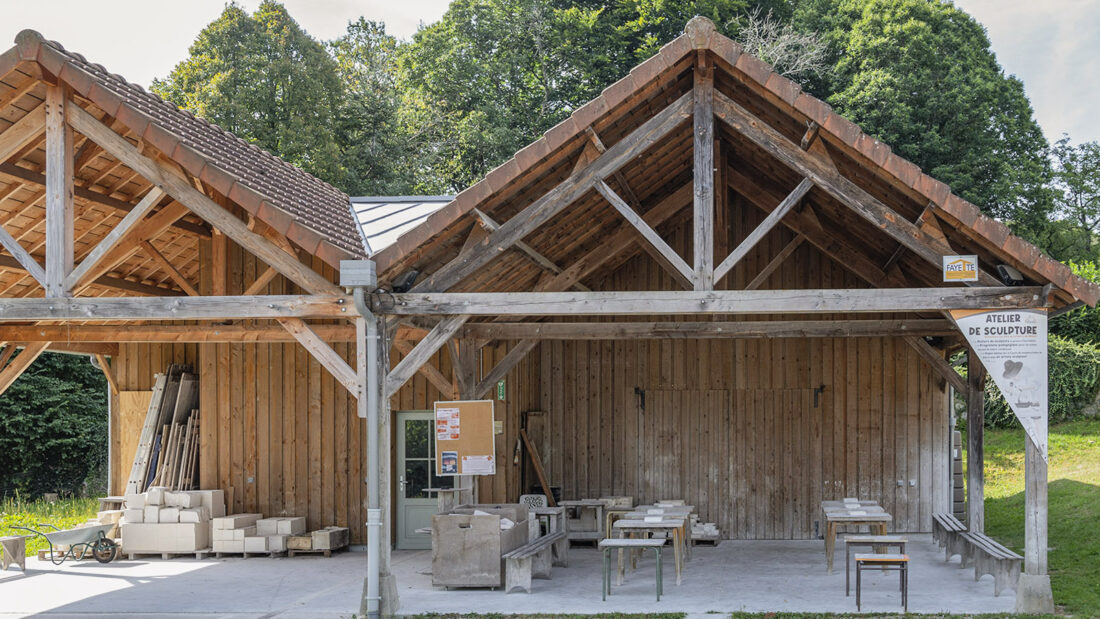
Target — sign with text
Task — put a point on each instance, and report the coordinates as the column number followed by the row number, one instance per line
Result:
column 1012, row 345
column 960, row 268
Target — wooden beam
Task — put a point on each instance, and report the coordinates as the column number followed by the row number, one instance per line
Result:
column 323, row 353
column 763, row 229
column 617, row 174
column 775, row 263
column 108, row 373
column 812, row 131
column 5, row 356
column 429, row 371
column 23, row 132
column 703, row 150
column 830, row 180
column 261, row 282
column 195, row 333
column 463, row 365
column 22, row 257
column 179, row 308
column 671, row 261
column 935, row 359
column 975, row 443
column 20, row 364
column 749, row 329
column 178, row 187
column 510, row 360
column 104, row 348
column 711, row 302
column 488, row 224
column 113, row 238
column 59, row 192
column 172, row 271
column 553, row 202
column 108, row 281
column 423, row 351
column 94, row 197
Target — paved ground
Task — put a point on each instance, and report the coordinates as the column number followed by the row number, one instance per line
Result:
column 299, row 587
column 751, row 576
column 736, row 576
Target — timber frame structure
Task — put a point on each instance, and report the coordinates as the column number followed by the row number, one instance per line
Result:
column 703, row 232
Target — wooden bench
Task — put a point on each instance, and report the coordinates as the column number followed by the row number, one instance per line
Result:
column 530, row 560
column 990, row 557
column 606, row 545
column 898, row 562
column 947, row 530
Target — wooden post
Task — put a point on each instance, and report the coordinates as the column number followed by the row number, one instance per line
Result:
column 975, row 448
column 704, row 173
column 1033, row 593
column 59, row 193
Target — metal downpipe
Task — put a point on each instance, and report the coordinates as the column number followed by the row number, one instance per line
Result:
column 374, row 511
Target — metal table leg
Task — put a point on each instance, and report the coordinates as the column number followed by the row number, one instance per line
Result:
column 660, row 584
column 606, row 580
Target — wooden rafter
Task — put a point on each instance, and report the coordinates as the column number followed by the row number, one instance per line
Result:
column 117, row 234
column 429, row 371
column 179, row 188
column 501, row 369
column 542, row 261
column 775, row 263
column 668, row 258
column 22, row 257
column 20, row 364
column 763, row 229
column 24, row 131
column 423, row 351
column 323, row 353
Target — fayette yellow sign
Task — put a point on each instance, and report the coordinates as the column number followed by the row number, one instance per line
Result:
column 960, row 268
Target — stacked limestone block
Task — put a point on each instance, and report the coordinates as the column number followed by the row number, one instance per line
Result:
column 160, row 520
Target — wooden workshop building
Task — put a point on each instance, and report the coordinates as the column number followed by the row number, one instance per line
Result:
column 703, row 284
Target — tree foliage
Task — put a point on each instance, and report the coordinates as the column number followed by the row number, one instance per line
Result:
column 53, row 428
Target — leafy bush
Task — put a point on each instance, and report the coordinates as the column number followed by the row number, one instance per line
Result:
column 53, row 429
column 1082, row 324
column 63, row 514
column 1074, row 370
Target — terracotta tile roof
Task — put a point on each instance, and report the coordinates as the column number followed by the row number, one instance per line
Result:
column 700, row 34
column 310, row 212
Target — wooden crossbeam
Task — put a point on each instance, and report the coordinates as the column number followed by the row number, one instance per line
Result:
column 830, row 180
column 169, row 268
column 20, row 364
column 429, row 371
column 488, row 224
column 108, row 373
column 117, row 234
column 5, row 356
column 938, row 363
column 671, row 261
column 24, row 131
column 179, row 308
column 775, row 263
column 323, row 353
column 194, row 333
column 703, row 149
column 714, row 301
column 261, row 282
column 501, row 369
column 562, row 195
column 763, row 229
column 22, row 257
column 423, row 351
column 59, row 192
column 178, row 187
column 754, row 329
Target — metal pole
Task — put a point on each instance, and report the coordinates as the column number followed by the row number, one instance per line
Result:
column 367, row 332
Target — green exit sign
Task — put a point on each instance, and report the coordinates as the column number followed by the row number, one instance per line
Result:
column 500, row 390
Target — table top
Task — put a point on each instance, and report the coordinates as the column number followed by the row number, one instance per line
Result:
column 877, row 558
column 690, row 508
column 583, row 503
column 867, row 516
column 642, row 515
column 875, row 539
column 667, row 523
column 615, row 542
column 548, row 511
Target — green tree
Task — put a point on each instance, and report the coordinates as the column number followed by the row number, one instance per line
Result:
column 53, row 428
column 263, row 78
column 920, row 76
column 1076, row 187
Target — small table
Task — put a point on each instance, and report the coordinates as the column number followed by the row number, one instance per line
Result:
column 667, row 526
column 676, row 512
column 899, row 563
column 633, row 544
column 870, row 541
column 871, row 516
column 588, row 529
column 14, row 550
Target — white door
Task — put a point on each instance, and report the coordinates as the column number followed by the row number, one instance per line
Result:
column 415, row 472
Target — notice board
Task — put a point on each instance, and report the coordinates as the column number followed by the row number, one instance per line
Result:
column 464, row 438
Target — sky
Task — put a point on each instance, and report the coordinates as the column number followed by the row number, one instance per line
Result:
column 1053, row 46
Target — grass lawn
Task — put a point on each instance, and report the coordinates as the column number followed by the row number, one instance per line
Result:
column 1074, row 507
column 63, row 514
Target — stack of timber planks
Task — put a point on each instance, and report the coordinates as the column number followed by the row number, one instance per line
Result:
column 168, row 450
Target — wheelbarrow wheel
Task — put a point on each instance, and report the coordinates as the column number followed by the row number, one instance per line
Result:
column 105, row 550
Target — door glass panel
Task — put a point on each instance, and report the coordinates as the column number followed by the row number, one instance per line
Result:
column 447, row 481
column 417, row 443
column 416, row 478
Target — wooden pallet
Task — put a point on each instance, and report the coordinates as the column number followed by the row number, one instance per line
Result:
column 271, row 554
column 707, row 541
column 197, row 554
column 327, row 553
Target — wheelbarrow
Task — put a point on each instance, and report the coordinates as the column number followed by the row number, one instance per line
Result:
column 80, row 542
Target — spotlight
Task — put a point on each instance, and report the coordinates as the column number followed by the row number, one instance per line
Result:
column 405, row 281
column 1009, row 275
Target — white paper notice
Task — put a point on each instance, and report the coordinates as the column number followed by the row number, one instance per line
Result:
column 446, row 424
column 1012, row 345
column 478, row 465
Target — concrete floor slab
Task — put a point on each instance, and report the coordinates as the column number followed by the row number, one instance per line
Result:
column 755, row 576
column 306, row 586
